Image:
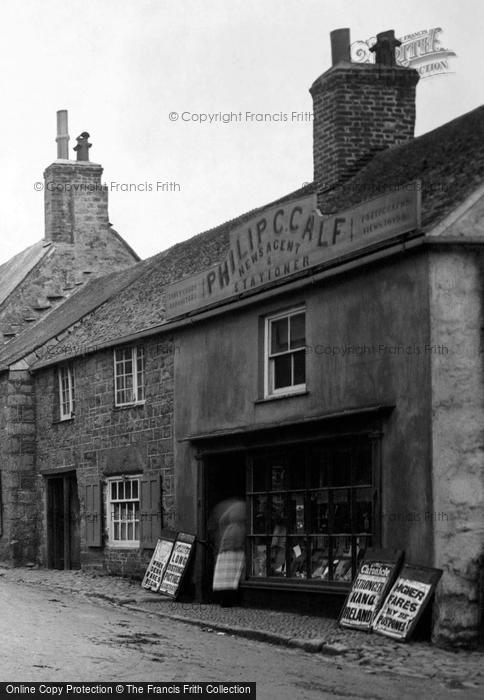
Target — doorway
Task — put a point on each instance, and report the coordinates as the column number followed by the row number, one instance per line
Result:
column 224, row 477
column 63, row 522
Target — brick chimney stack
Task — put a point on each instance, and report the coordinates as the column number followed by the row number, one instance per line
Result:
column 75, row 201
column 359, row 109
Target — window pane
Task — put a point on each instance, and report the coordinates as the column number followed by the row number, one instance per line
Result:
column 121, row 489
column 297, row 471
column 259, row 517
column 114, row 490
column 297, row 330
column 134, row 488
column 299, row 366
column 296, row 513
column 127, row 489
column 341, row 472
column 259, row 474
column 342, row 558
column 279, row 335
column 341, row 511
column 116, row 531
column 297, row 557
column 319, row 512
column 259, row 554
column 363, row 510
column 277, row 556
column 282, row 371
column 278, row 477
column 319, row 462
column 363, row 464
column 278, row 511
column 130, row 531
column 319, row 548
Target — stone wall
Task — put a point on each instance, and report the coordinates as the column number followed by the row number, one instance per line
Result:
column 456, row 303
column 103, row 440
column 18, row 543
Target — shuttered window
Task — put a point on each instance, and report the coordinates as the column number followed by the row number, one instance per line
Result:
column 151, row 515
column 93, row 514
column 133, row 511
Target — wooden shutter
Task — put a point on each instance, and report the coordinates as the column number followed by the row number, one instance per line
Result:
column 150, row 510
column 93, row 509
column 1, row 506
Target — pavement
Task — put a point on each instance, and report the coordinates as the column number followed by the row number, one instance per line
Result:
column 459, row 669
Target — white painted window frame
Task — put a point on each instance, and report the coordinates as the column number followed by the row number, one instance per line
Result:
column 137, row 351
column 110, row 503
column 269, row 390
column 66, row 392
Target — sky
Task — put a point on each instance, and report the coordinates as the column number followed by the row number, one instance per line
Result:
column 122, row 67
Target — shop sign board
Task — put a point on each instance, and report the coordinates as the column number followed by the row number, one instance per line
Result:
column 177, row 564
column 291, row 237
column 375, row 575
column 406, row 602
column 159, row 560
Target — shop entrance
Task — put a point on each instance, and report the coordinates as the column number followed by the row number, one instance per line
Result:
column 224, row 477
column 63, row 542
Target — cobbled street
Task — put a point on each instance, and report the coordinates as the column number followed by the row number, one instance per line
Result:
column 52, row 635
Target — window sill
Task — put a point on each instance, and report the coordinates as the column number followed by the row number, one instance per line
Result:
column 306, row 585
column 116, row 547
column 278, row 397
column 59, row 421
column 123, row 407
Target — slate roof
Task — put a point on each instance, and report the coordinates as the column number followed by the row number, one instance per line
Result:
column 449, row 161
column 15, row 270
column 130, row 300
column 85, row 300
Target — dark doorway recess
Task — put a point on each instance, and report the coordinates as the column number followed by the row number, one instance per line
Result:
column 63, row 542
column 224, row 476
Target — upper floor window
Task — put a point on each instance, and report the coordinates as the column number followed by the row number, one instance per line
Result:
column 285, row 353
column 129, row 375
column 66, row 392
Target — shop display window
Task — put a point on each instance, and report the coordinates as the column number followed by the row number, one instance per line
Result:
column 311, row 511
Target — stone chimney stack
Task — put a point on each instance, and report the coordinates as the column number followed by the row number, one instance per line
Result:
column 75, row 201
column 359, row 109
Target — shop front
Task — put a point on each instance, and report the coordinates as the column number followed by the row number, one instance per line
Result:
column 313, row 501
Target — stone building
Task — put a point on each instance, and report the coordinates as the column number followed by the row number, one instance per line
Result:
column 319, row 357
column 78, row 247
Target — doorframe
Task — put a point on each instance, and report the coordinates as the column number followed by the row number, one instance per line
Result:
column 66, row 475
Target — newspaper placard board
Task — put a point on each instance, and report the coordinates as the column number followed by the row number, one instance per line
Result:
column 402, row 608
column 159, row 560
column 288, row 238
column 177, row 564
column 375, row 576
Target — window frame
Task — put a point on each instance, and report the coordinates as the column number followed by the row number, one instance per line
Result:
column 136, row 352
column 269, row 390
column 354, row 445
column 111, row 542
column 70, row 391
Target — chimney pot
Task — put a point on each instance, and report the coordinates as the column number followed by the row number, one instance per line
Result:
column 340, row 45
column 62, row 138
column 384, row 48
